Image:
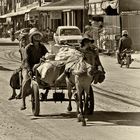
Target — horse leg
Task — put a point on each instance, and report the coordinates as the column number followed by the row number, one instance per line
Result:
column 82, row 111
column 78, row 107
column 86, row 103
column 80, row 114
column 69, row 108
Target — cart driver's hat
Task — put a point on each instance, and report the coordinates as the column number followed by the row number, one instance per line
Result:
column 33, row 32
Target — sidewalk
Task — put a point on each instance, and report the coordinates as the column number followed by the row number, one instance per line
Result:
column 7, row 41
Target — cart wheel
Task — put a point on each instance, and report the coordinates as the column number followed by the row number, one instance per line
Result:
column 90, row 104
column 35, row 99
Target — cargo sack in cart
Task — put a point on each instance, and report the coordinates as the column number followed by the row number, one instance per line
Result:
column 50, row 70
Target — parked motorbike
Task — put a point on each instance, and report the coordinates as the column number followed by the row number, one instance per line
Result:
column 125, row 58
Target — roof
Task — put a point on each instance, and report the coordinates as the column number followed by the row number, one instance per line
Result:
column 63, row 5
column 12, row 14
column 129, row 5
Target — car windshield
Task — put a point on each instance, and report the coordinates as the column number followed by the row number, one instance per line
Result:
column 66, row 32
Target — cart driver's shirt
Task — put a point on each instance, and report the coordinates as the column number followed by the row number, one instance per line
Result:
column 32, row 55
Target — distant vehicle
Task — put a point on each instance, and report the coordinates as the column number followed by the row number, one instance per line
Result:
column 24, row 30
column 68, row 34
column 125, row 58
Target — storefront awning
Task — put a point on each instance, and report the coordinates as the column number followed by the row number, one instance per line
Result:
column 6, row 15
column 20, row 12
column 59, row 8
column 63, row 5
column 17, row 13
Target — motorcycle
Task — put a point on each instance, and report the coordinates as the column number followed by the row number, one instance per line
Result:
column 125, row 58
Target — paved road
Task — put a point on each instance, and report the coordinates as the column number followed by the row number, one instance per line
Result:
column 116, row 116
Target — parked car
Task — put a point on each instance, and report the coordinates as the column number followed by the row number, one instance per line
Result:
column 68, row 34
column 24, row 30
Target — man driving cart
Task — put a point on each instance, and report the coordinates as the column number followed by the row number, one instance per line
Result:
column 32, row 54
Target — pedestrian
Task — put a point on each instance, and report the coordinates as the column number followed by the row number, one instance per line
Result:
column 34, row 51
column 16, row 78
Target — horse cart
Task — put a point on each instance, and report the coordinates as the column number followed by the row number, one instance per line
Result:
column 57, row 95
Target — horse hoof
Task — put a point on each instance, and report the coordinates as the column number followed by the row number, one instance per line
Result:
column 69, row 108
column 12, row 97
column 84, row 123
column 23, row 108
column 18, row 97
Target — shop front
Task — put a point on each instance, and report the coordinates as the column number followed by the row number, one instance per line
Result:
column 63, row 13
column 104, row 15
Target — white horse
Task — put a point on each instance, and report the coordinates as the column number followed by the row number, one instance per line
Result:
column 82, row 80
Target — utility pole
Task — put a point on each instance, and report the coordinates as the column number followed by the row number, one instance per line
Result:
column 84, row 14
column 39, row 2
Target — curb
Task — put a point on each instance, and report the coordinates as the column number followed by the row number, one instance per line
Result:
column 7, row 41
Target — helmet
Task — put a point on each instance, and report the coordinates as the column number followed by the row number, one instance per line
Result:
column 124, row 32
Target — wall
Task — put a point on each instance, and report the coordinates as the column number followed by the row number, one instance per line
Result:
column 132, row 24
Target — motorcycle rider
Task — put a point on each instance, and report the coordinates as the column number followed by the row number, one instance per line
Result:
column 125, row 42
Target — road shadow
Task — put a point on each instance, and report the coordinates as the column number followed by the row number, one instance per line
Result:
column 67, row 115
column 105, row 118
column 4, row 69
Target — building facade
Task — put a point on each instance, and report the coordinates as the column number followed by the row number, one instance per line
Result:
column 118, row 15
column 43, row 13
